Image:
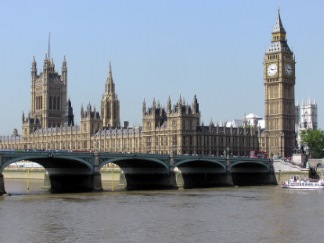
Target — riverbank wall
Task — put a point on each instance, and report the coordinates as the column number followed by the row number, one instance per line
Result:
column 107, row 174
column 282, row 170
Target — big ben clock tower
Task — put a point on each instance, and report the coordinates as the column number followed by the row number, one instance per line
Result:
column 279, row 101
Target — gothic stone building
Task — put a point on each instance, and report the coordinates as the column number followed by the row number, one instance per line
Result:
column 177, row 128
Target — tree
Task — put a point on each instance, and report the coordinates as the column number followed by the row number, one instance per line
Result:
column 314, row 140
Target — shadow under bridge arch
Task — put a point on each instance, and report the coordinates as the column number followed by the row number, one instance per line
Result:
column 252, row 172
column 68, row 174
column 144, row 173
column 201, row 173
column 65, row 173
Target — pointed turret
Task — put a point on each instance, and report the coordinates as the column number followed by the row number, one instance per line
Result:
column 34, row 69
column 110, row 86
column 64, row 71
column 144, row 107
column 46, row 63
column 82, row 111
column 195, row 105
column 169, row 105
column 278, row 27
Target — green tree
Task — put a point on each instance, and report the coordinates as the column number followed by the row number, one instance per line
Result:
column 314, row 140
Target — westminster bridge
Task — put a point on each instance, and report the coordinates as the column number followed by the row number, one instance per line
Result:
column 80, row 171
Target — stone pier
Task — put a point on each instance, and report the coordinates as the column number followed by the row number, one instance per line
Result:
column 2, row 187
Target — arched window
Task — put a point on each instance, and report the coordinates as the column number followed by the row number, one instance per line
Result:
column 54, row 103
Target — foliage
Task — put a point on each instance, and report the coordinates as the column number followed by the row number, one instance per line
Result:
column 314, row 140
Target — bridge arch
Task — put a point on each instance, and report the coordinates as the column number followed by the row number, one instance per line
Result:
column 249, row 165
column 47, row 161
column 248, row 172
column 193, row 162
column 143, row 172
column 126, row 162
column 199, row 173
column 67, row 172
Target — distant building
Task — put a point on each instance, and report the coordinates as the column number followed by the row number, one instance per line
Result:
column 306, row 118
column 248, row 120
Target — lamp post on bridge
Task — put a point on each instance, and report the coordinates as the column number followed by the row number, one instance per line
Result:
column 95, row 145
column 171, row 157
column 281, row 149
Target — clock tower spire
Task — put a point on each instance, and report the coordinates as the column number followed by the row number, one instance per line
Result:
column 279, row 88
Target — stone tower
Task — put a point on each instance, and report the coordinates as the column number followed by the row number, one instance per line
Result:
column 48, row 94
column 308, row 115
column 279, row 84
column 306, row 119
column 110, row 110
column 171, row 129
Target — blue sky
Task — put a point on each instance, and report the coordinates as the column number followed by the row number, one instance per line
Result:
column 212, row 49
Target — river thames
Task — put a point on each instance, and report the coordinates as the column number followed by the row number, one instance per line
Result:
column 233, row 214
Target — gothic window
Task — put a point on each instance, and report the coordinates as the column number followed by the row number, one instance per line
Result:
column 54, row 103
column 50, row 102
column 174, row 140
column 58, row 103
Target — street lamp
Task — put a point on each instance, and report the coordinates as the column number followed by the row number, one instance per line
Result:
column 281, row 144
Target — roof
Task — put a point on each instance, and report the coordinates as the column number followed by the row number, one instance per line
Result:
column 278, row 27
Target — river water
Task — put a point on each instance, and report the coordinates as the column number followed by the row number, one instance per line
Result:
column 234, row 214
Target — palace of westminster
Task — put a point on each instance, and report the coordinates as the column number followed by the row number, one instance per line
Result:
column 175, row 128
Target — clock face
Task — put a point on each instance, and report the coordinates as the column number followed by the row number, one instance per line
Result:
column 288, row 69
column 272, row 69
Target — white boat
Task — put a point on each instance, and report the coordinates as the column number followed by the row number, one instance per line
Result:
column 296, row 183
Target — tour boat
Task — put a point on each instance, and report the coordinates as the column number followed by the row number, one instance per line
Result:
column 296, row 183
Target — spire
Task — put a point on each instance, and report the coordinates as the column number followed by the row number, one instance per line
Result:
column 109, row 71
column 169, row 105
column 46, row 63
column 278, row 39
column 195, row 105
column 110, row 86
column 34, row 66
column 64, row 67
column 278, row 27
column 144, row 107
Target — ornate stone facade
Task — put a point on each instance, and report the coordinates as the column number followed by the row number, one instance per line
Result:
column 279, row 83
column 175, row 129
column 306, row 118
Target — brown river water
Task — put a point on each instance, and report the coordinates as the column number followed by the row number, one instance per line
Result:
column 233, row 214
